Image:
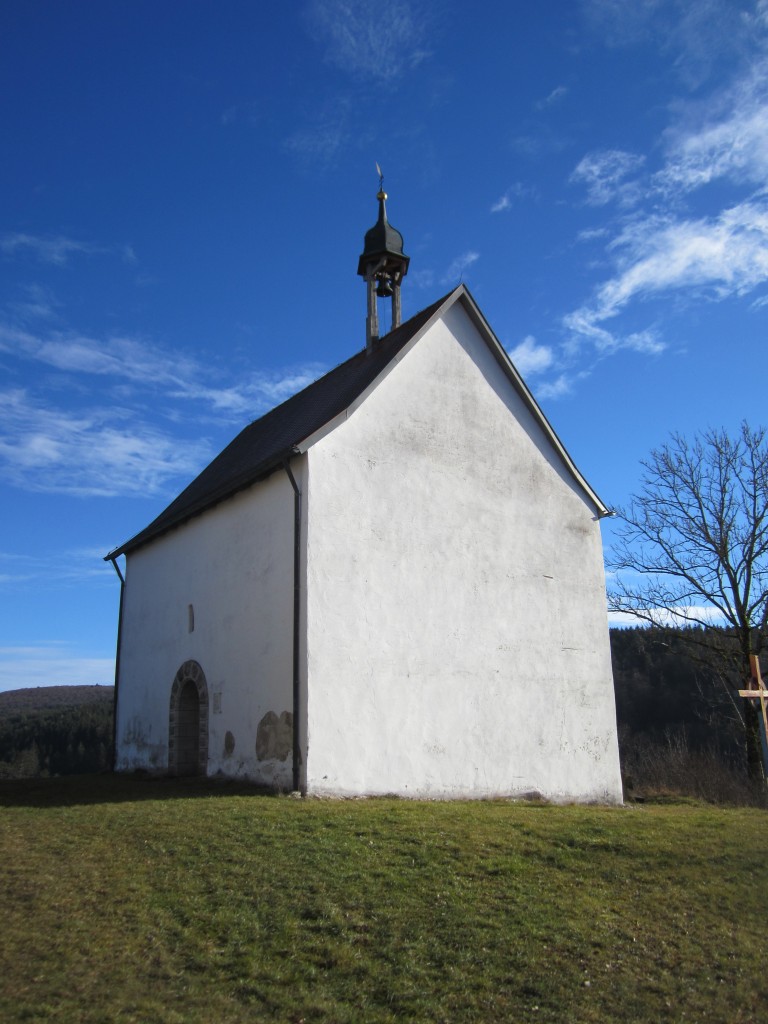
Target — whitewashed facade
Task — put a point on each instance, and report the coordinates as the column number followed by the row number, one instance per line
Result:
column 448, row 636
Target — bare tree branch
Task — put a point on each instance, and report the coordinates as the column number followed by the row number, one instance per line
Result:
column 693, row 550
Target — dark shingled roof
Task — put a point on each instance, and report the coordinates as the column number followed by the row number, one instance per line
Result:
column 266, row 443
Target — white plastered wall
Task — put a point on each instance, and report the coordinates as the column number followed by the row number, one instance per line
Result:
column 457, row 642
column 234, row 566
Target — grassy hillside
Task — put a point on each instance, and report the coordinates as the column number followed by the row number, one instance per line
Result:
column 154, row 901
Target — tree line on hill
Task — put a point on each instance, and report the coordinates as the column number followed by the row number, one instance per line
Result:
column 665, row 686
column 55, row 730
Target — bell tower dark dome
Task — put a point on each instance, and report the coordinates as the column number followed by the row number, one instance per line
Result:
column 383, row 265
column 382, row 239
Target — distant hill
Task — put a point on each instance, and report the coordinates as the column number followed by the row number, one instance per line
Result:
column 45, row 698
column 55, row 730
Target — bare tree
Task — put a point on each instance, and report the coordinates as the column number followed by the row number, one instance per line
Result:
column 693, row 550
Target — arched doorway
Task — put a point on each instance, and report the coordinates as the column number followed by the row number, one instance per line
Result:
column 188, row 722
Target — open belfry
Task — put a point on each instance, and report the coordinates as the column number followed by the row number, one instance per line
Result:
column 383, row 265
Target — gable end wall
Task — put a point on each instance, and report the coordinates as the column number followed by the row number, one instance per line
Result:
column 457, row 641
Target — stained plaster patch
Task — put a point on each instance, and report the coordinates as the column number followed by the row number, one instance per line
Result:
column 274, row 736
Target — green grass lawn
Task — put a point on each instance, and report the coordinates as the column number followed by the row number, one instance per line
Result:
column 159, row 901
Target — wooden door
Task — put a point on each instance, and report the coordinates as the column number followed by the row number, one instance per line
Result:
column 188, row 730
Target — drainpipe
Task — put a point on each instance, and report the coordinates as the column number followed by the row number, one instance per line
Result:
column 296, row 624
column 117, row 663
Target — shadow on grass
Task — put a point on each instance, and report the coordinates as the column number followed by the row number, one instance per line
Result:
column 74, row 790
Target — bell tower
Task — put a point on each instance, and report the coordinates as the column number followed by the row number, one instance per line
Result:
column 383, row 265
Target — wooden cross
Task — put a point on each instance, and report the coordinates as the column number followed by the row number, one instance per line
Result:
column 757, row 690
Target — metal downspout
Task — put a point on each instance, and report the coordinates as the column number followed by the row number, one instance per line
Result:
column 296, row 624
column 117, row 663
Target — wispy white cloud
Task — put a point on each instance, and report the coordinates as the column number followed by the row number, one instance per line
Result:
column 662, row 248
column 367, row 41
column 48, row 250
column 672, row 618
column 57, row 249
column 727, row 253
column 546, row 370
column 53, row 663
column 121, row 446
column 455, row 271
column 75, row 353
column 34, row 303
column 254, row 394
column 151, row 369
column 517, row 190
column 715, row 258
column 606, row 175
column 623, row 24
column 422, row 278
column 531, row 358
column 556, row 96
column 561, row 385
column 89, row 453
column 725, row 138
column 697, row 36
column 321, row 140
column 590, row 234
column 453, row 275
column 539, row 140
column 72, row 567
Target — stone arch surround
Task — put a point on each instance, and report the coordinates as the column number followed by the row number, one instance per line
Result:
column 192, row 671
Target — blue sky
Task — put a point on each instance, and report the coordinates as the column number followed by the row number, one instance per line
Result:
column 184, row 191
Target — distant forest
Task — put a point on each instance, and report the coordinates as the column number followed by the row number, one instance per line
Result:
column 674, row 717
column 55, row 730
column 667, row 685
column 680, row 731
